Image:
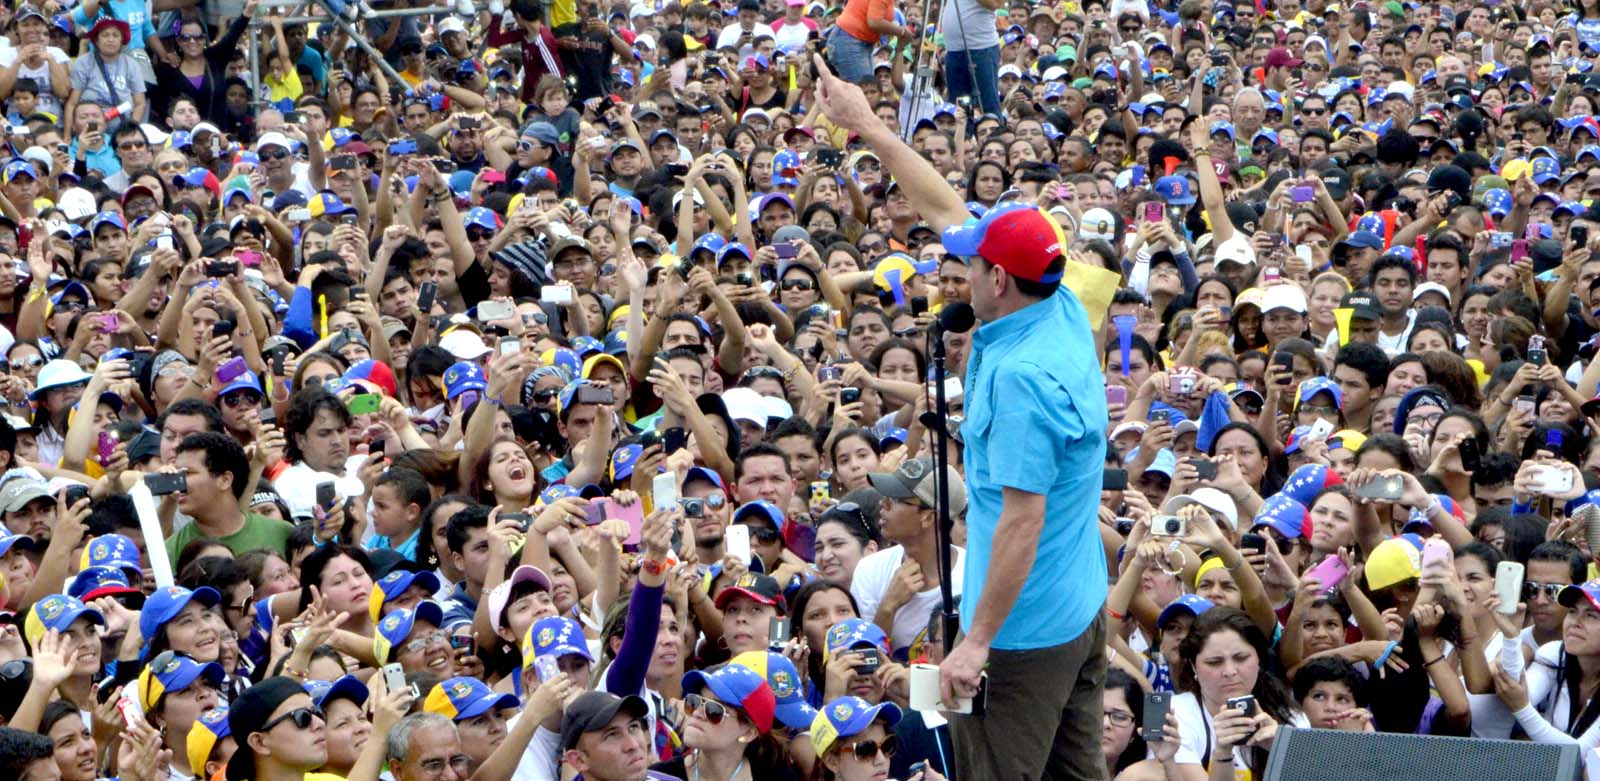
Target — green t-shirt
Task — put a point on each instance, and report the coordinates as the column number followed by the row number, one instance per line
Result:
column 259, row 532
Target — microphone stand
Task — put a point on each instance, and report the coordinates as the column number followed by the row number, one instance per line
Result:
column 934, row 421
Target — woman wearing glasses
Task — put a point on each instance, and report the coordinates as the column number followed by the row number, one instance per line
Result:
column 728, row 719
column 854, row 742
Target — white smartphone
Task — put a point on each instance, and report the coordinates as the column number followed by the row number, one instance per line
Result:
column 1552, row 481
column 664, row 490
column 555, row 294
column 736, row 542
column 1508, row 585
column 394, row 678
column 510, row 346
column 298, row 215
column 496, row 310
column 1320, row 429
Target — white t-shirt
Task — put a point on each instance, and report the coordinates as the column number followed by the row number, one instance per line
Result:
column 1196, row 733
column 541, row 759
column 298, row 485
column 729, row 37
column 871, row 582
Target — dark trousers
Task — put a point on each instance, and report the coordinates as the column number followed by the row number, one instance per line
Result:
column 1044, row 717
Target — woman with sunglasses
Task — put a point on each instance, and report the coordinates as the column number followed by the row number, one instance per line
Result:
column 854, row 741
column 727, row 728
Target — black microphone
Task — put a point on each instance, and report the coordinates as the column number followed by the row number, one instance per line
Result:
column 955, row 317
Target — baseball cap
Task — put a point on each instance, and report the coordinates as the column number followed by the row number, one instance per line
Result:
column 1315, row 385
column 395, row 627
column 848, row 716
column 1284, row 515
column 1308, row 480
column 791, row 708
column 464, row 345
column 1097, row 223
column 1280, row 57
column 739, row 686
column 1212, row 499
column 112, row 550
column 1289, row 297
column 1396, row 560
column 251, row 711
column 462, row 377
column 915, row 478
column 554, row 636
column 212, row 726
column 754, row 585
column 58, row 611
column 94, row 582
column 166, row 603
column 391, row 586
column 346, row 687
column 593, row 710
column 19, row 492
column 500, row 596
column 172, row 672
column 853, row 634
column 762, row 510
column 1193, row 604
column 1362, row 306
column 1020, row 238
column 1589, row 590
column 463, row 698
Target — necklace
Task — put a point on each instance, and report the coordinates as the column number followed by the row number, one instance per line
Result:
column 731, row 776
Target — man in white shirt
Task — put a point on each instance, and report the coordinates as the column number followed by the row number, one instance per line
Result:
column 898, row 588
column 744, row 32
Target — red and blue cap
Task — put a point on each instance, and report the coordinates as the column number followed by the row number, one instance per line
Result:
column 848, row 716
column 1588, row 591
column 1284, row 515
column 739, row 686
column 1419, row 518
column 1308, row 480
column 347, row 687
column 463, row 698
column 792, row 709
column 1018, row 237
column 96, row 582
column 373, row 372
column 166, row 603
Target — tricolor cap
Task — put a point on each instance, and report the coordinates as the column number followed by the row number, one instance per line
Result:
column 211, row 727
column 463, row 698
column 739, row 686
column 848, row 716
column 853, row 634
column 1588, row 591
column 56, row 611
column 1193, row 604
column 396, row 627
column 792, row 709
column 391, row 586
column 173, row 672
column 373, row 372
column 1308, row 480
column 96, row 582
column 622, row 461
column 166, row 603
column 347, row 687
column 462, row 377
column 556, row 636
column 1394, row 560
column 1284, row 515
column 1018, row 237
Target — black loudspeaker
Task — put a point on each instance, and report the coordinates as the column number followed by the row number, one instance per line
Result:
column 1335, row 755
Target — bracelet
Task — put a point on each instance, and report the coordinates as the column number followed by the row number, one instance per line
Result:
column 1435, row 661
column 652, row 566
column 1118, row 616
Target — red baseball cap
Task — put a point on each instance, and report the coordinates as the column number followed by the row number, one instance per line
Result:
column 1018, row 237
column 1281, row 58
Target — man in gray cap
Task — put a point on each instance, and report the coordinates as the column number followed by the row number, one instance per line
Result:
column 604, row 738
column 28, row 508
column 898, row 588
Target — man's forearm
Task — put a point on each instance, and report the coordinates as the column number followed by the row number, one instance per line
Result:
column 1016, row 539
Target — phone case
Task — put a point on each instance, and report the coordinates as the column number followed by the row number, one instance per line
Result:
column 1508, row 585
column 664, row 490
column 736, row 542
column 1329, row 573
column 1156, row 705
column 1435, row 552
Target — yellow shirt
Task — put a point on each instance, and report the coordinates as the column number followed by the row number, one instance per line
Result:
column 287, row 88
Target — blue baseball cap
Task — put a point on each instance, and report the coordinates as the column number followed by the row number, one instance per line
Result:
column 96, row 582
column 347, row 687
column 397, row 582
column 113, row 550
column 166, row 603
column 395, row 627
column 173, row 673
column 851, row 634
column 108, row 218
column 462, row 377
column 463, row 698
column 1175, row 190
column 246, row 381
column 762, row 509
column 702, row 473
column 16, row 168
column 1193, row 604
column 622, row 461
column 1224, row 127
column 732, row 248
column 56, row 611
column 848, row 716
column 1315, row 385
column 8, row 541
column 555, row 636
column 710, row 242
column 481, row 217
column 1284, row 515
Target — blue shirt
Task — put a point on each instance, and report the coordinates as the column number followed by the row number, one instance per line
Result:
column 1035, row 422
column 407, row 547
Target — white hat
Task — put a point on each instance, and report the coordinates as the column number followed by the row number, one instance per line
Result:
column 76, row 203
column 464, row 345
column 1010, row 70
column 153, row 135
column 1054, row 72
column 58, row 373
column 747, row 405
column 1431, row 287
column 204, row 127
column 1289, row 297
column 273, row 138
column 1400, row 88
column 40, row 155
column 1210, row 498
column 452, row 24
column 1098, row 223
column 1235, row 250
column 1135, row 426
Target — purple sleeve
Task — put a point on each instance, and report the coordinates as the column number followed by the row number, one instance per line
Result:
column 626, row 674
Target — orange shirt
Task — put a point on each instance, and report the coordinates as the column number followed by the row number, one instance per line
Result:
column 857, row 12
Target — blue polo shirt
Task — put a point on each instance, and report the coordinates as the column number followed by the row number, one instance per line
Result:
column 1035, row 422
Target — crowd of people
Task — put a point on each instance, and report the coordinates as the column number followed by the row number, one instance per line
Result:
column 548, row 391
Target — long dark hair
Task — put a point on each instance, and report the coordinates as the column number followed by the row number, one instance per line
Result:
column 1117, row 679
column 1272, row 697
column 797, row 615
column 425, row 555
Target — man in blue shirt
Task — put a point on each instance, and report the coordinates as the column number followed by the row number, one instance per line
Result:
column 1034, row 441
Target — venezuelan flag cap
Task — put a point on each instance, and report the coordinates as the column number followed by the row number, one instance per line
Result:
column 854, row 634
column 1018, row 237
column 347, row 687
column 57, row 612
column 848, row 716
column 211, row 727
column 784, row 680
column 554, row 636
column 391, row 586
column 173, row 672
column 738, row 686
column 465, row 698
column 396, row 627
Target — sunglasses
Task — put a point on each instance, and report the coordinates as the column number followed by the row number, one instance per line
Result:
column 479, row 235
column 187, row 38
column 1534, row 588
column 797, row 284
column 546, row 396
column 714, row 711
column 237, row 400
column 764, row 534
column 273, row 155
column 866, row 750
column 300, row 717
